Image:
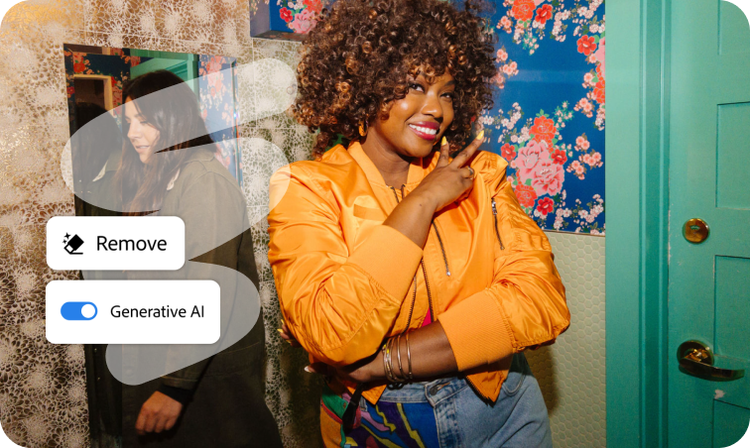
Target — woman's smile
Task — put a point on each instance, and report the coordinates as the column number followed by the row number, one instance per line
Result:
column 142, row 135
column 426, row 130
column 417, row 121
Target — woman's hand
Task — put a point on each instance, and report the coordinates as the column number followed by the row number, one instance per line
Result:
column 159, row 413
column 287, row 335
column 368, row 370
column 450, row 180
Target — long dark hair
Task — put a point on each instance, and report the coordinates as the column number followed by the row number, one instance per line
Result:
column 175, row 114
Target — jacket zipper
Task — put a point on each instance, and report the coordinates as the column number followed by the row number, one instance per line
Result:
column 442, row 249
column 497, row 232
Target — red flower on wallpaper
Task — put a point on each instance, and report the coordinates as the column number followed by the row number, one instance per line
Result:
column 545, row 206
column 543, row 14
column 79, row 67
column 586, row 45
column 559, row 157
column 526, row 195
column 543, row 130
column 315, row 6
column 508, row 152
column 599, row 91
column 286, row 15
column 523, row 10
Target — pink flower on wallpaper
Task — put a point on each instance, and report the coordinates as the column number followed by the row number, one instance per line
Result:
column 303, row 22
column 548, row 178
column 529, row 158
column 502, row 55
column 510, row 69
column 577, row 167
column 585, row 105
column 214, row 64
column 582, row 143
column 506, row 23
column 216, row 83
column 599, row 55
column 499, row 80
column 538, row 2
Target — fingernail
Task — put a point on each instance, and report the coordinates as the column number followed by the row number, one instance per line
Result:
column 480, row 135
column 282, row 321
column 307, row 369
column 279, row 330
column 444, row 142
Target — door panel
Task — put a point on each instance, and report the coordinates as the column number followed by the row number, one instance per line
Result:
column 729, row 429
column 709, row 283
column 732, row 156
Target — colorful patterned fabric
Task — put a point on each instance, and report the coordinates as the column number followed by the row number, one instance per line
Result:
column 385, row 424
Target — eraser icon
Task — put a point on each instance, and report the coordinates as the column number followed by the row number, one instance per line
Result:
column 78, row 311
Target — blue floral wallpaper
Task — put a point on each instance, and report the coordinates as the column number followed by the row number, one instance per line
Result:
column 549, row 115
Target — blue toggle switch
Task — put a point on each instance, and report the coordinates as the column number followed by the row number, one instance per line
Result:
column 78, row 311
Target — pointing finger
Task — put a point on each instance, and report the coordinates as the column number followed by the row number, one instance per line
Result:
column 469, row 151
column 444, row 152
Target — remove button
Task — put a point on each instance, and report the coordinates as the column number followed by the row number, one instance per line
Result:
column 78, row 311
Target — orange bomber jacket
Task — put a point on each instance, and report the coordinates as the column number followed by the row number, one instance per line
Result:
column 345, row 281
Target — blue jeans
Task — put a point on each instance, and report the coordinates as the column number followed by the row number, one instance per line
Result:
column 447, row 413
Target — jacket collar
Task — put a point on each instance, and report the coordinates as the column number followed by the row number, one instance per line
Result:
column 418, row 169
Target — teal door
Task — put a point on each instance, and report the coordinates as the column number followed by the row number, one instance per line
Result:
column 709, row 282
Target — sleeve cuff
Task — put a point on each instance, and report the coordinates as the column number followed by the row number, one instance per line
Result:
column 477, row 331
column 390, row 258
column 182, row 396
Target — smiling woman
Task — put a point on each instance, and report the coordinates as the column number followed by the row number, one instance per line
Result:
column 414, row 280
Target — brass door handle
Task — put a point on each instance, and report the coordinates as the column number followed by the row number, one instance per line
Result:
column 697, row 360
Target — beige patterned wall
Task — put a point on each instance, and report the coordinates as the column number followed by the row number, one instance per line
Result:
column 42, row 386
column 571, row 372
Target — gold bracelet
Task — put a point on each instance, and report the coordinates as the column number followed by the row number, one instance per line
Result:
column 410, row 375
column 398, row 353
column 385, row 361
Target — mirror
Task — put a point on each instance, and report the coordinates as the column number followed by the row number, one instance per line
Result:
column 95, row 78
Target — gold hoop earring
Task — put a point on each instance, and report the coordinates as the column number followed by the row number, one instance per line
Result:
column 363, row 129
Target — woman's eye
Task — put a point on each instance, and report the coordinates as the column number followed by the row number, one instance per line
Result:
column 450, row 96
column 416, row 87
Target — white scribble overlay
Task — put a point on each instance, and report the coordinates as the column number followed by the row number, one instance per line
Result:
column 5, row 6
column 744, row 5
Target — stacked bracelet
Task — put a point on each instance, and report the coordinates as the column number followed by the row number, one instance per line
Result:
column 390, row 371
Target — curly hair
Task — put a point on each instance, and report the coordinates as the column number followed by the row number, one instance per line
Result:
column 357, row 60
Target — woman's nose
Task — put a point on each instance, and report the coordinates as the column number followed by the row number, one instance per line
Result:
column 432, row 106
column 133, row 130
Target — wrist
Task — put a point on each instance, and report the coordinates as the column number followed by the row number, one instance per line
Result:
column 377, row 368
column 425, row 199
